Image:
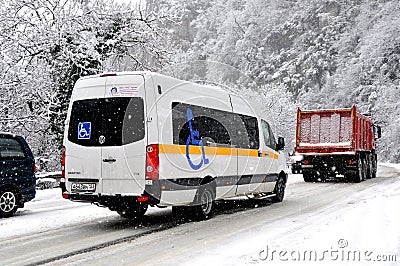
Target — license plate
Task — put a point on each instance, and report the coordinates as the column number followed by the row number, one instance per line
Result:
column 83, row 187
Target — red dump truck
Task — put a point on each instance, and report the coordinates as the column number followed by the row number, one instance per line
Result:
column 336, row 142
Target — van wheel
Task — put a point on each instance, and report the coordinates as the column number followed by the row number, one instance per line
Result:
column 204, row 207
column 180, row 213
column 279, row 189
column 133, row 212
column 8, row 203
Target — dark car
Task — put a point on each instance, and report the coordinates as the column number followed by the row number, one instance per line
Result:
column 17, row 174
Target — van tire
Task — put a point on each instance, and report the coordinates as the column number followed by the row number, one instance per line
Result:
column 181, row 213
column 204, row 201
column 8, row 202
column 279, row 189
column 133, row 212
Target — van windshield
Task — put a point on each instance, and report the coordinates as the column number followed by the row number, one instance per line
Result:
column 107, row 121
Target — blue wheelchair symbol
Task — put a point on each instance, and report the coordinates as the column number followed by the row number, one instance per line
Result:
column 84, row 129
column 191, row 139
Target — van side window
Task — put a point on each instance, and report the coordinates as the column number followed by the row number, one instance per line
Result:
column 210, row 123
column 248, row 139
column 10, row 149
column 273, row 140
column 215, row 126
column 269, row 138
column 209, row 129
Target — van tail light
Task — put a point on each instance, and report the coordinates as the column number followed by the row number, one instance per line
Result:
column 63, row 163
column 152, row 162
column 34, row 168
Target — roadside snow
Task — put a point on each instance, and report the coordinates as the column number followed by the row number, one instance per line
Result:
column 49, row 211
column 366, row 230
column 367, row 226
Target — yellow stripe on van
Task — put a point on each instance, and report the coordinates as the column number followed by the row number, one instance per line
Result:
column 247, row 152
column 181, row 149
column 273, row 155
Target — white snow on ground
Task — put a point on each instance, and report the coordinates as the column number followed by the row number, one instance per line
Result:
column 365, row 232
column 367, row 226
column 50, row 211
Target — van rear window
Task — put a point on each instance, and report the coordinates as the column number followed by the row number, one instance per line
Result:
column 107, row 121
column 10, row 149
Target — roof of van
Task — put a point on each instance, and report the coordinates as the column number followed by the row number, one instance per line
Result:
column 124, row 73
column 150, row 73
column 120, row 73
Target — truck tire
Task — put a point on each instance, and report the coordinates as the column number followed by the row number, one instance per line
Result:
column 360, row 174
column 374, row 165
column 368, row 166
column 309, row 177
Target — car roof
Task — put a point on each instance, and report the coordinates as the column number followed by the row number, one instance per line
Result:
column 8, row 134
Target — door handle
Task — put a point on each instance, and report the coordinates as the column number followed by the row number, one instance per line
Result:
column 109, row 160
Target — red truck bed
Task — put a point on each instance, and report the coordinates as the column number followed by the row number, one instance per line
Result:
column 336, row 142
column 339, row 131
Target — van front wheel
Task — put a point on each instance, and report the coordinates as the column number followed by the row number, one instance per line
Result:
column 204, row 207
column 279, row 189
column 8, row 203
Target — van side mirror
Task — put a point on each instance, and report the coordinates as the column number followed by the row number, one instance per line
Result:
column 379, row 132
column 281, row 144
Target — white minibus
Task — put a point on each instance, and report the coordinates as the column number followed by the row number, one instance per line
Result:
column 134, row 139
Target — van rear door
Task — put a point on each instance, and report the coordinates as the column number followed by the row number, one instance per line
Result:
column 123, row 136
column 106, row 135
column 82, row 153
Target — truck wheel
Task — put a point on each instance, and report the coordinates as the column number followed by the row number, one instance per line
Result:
column 133, row 212
column 204, row 201
column 369, row 167
column 279, row 189
column 360, row 173
column 308, row 177
column 8, row 202
column 349, row 177
column 374, row 165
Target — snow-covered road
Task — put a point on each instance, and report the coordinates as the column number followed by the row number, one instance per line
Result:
column 322, row 221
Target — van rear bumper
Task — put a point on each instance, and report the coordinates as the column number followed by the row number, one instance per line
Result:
column 101, row 200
